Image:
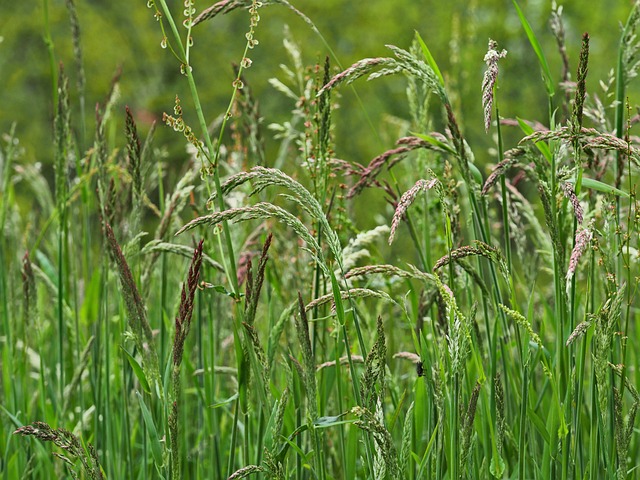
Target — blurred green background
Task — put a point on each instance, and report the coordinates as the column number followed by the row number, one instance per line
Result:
column 124, row 34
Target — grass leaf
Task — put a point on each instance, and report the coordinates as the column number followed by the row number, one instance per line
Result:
column 542, row 146
column 600, row 187
column 542, row 60
column 434, row 141
column 137, row 370
column 429, row 58
column 154, row 439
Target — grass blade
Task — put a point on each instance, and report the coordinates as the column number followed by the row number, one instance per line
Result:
column 156, row 447
column 542, row 60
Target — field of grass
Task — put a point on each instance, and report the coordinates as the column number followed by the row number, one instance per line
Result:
column 219, row 315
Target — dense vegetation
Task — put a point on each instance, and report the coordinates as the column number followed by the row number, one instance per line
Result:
column 439, row 292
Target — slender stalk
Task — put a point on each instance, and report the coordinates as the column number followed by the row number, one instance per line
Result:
column 454, row 429
column 234, row 438
column 524, row 394
column 60, row 304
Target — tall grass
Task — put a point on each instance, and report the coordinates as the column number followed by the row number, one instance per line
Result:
column 485, row 328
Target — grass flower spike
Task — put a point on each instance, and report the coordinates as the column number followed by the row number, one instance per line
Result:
column 489, row 80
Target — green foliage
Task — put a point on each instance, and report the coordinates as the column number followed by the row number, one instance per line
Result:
column 483, row 324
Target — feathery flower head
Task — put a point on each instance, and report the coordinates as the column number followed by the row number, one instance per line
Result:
column 569, row 192
column 583, row 237
column 405, row 202
column 489, row 79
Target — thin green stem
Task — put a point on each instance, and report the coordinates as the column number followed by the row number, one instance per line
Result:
column 234, row 438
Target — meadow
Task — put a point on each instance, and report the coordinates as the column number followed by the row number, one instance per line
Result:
column 221, row 295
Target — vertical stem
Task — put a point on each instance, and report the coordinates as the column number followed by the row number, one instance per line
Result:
column 523, row 423
column 234, row 437
column 626, row 259
column 60, row 302
column 505, row 204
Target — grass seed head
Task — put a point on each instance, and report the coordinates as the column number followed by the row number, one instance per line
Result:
column 185, row 311
column 581, row 88
column 489, row 80
column 405, row 202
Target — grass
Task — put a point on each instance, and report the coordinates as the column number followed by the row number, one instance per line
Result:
column 486, row 327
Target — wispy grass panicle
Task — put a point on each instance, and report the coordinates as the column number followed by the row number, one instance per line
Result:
column 134, row 160
column 624, row 430
column 8, row 155
column 606, row 320
column 459, row 333
column 429, row 74
column 375, row 369
column 369, row 174
column 344, row 360
column 523, row 322
column 367, row 421
column 405, row 202
column 182, row 327
column 358, row 248
column 77, row 42
column 185, row 311
column 582, row 240
column 225, row 6
column 350, row 294
column 589, row 138
column 157, row 247
column 254, row 285
column 219, row 8
column 510, row 158
column 29, row 293
column 263, row 210
column 276, row 331
column 580, row 330
column 258, row 360
column 405, row 449
column 501, row 421
column 390, row 270
column 466, row 426
column 357, row 70
column 630, row 45
column 404, row 62
column 309, row 364
column 569, row 192
column 263, row 177
column 70, row 444
column 581, row 87
column 136, row 310
column 426, row 72
column 490, row 80
column 478, row 248
column 324, row 117
column 62, row 137
column 418, row 96
column 280, row 414
column 76, row 39
column 103, row 113
column 249, row 469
